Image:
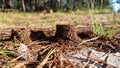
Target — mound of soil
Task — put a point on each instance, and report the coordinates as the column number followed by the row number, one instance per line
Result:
column 5, row 34
column 67, row 32
column 21, row 35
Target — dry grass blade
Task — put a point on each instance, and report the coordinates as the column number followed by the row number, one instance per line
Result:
column 68, row 60
column 117, row 37
column 17, row 58
column 20, row 65
column 79, row 61
column 46, row 48
column 61, row 63
column 41, row 64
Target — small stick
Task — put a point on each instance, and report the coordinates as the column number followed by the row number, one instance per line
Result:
column 41, row 64
column 91, row 66
column 94, row 58
column 85, row 41
column 68, row 60
column 18, row 57
column 86, row 64
column 61, row 63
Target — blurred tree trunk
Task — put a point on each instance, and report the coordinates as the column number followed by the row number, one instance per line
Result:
column 101, row 6
column 39, row 5
column 93, row 3
column 23, row 5
column 8, row 4
column 11, row 3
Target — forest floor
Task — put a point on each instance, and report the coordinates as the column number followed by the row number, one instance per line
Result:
column 56, row 40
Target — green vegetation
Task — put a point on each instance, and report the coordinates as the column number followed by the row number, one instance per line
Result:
column 6, row 53
column 106, row 31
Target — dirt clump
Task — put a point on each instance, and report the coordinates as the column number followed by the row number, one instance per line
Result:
column 5, row 34
column 21, row 35
column 67, row 32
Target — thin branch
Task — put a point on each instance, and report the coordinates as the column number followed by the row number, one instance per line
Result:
column 86, row 64
column 91, row 66
column 85, row 41
column 68, row 60
column 94, row 58
column 41, row 64
column 18, row 57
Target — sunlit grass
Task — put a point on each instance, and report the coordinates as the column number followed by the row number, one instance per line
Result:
column 100, row 30
column 30, row 19
column 108, row 29
column 101, row 11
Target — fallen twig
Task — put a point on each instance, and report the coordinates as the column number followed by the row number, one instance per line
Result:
column 91, row 66
column 117, row 37
column 41, row 64
column 94, row 58
column 86, row 64
column 61, row 63
column 79, row 61
column 68, row 60
column 85, row 41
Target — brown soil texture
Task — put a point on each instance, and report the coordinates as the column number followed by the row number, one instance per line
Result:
column 64, row 37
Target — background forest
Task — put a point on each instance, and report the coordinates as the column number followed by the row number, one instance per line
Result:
column 55, row 5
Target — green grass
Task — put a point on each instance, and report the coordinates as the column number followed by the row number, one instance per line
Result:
column 6, row 53
column 100, row 30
